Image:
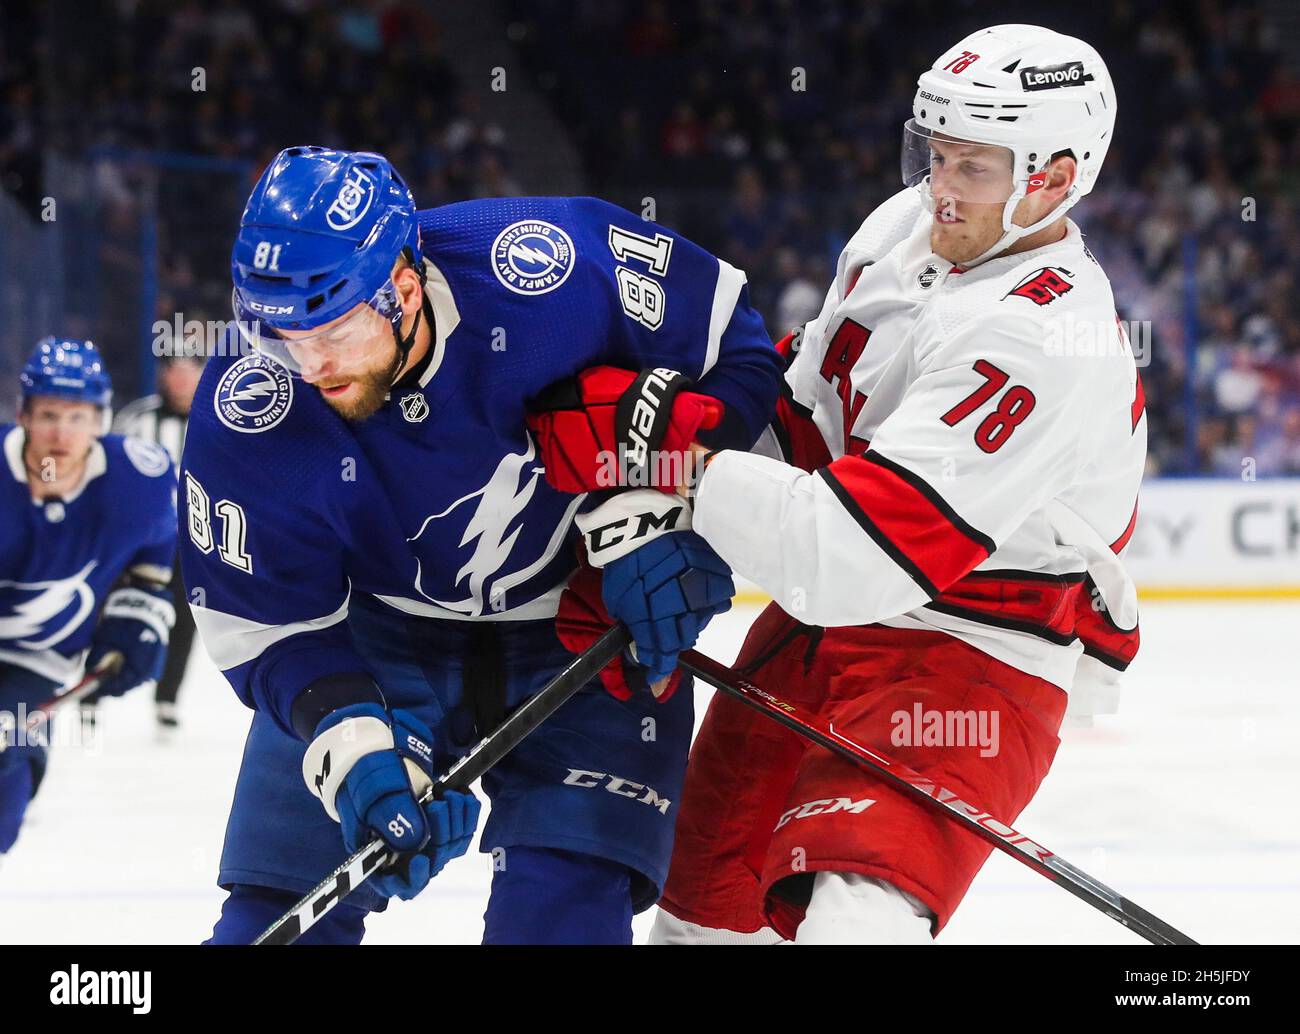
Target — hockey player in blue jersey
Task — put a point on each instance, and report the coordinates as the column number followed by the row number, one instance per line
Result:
column 87, row 538
column 375, row 559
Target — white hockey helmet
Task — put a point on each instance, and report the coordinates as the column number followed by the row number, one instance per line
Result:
column 1033, row 91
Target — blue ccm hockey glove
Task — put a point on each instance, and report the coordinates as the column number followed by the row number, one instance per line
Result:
column 369, row 774
column 136, row 623
column 666, row 591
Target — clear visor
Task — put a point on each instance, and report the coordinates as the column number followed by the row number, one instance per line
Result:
column 951, row 170
column 56, row 416
column 347, row 344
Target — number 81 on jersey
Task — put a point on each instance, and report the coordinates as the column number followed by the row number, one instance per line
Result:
column 234, row 526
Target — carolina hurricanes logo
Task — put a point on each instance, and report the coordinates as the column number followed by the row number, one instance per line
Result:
column 1043, row 286
column 52, row 611
column 532, row 257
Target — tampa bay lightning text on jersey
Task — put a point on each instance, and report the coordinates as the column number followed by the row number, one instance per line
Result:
column 60, row 557
column 437, row 504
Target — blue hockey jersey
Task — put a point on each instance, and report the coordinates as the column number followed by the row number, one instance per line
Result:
column 437, row 504
column 60, row 557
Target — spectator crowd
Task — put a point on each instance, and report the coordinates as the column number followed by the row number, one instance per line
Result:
column 764, row 129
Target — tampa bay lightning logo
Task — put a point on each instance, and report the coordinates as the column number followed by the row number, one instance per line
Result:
column 253, row 395
column 493, row 528
column 46, row 612
column 532, row 257
column 148, row 458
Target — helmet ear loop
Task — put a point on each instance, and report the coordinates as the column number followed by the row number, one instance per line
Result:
column 416, row 262
column 405, row 344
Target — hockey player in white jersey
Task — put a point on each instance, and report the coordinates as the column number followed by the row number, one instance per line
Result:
column 961, row 442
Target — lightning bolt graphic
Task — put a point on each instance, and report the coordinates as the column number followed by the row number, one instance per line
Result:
column 253, row 391
column 51, row 599
column 500, row 505
column 523, row 251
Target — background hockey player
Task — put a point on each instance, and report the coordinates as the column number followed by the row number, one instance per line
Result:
column 87, row 537
column 377, row 558
column 941, row 530
column 161, row 418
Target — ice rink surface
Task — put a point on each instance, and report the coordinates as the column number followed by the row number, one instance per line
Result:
column 1185, row 802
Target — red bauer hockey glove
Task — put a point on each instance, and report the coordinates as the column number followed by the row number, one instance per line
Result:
column 582, row 619
column 604, row 427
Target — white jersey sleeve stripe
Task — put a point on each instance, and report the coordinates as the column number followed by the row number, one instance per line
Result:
column 725, row 295
column 231, row 640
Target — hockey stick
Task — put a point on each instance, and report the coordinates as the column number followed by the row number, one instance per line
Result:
column 822, row 732
column 90, row 682
column 486, row 753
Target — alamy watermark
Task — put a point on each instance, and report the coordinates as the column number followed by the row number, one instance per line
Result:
column 1069, row 336
column 928, row 727
column 648, row 468
column 75, row 727
column 203, row 339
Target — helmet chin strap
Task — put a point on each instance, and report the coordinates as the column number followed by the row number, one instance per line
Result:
column 1013, row 233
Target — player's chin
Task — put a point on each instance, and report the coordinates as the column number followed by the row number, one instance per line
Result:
column 954, row 242
column 353, row 401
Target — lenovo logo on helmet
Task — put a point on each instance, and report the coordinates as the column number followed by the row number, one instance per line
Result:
column 353, row 201
column 1052, row 77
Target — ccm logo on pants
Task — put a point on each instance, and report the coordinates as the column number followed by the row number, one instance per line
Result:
column 622, row 787
column 825, row 806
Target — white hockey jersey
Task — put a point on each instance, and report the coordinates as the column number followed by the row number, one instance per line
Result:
column 962, row 451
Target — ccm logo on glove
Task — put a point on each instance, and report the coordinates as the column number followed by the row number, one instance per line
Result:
column 630, row 520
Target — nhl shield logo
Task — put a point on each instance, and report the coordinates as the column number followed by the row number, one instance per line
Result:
column 414, row 408
column 927, row 276
column 532, row 257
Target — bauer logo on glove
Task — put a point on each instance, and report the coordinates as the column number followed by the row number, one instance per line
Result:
column 608, row 427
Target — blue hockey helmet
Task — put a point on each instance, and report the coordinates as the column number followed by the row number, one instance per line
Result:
column 319, row 236
column 66, row 368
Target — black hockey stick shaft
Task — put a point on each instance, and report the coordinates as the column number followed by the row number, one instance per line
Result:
column 89, row 683
column 486, row 753
column 820, row 731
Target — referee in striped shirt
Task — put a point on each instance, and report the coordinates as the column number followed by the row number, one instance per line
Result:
column 162, row 418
